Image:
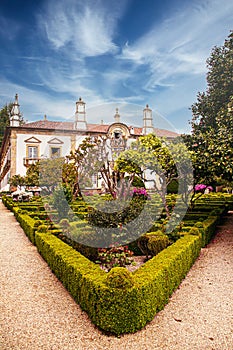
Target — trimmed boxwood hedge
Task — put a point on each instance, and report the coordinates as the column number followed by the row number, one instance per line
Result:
column 120, row 301
column 27, row 223
column 120, row 310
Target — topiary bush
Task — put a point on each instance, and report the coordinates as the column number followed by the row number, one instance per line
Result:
column 173, row 187
column 119, row 277
column 153, row 242
column 42, row 228
column 157, row 243
column 38, row 222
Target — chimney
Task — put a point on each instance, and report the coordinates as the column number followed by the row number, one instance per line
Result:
column 117, row 116
column 80, row 115
column 15, row 113
column 148, row 127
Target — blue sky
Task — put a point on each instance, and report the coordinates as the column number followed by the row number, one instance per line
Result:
column 112, row 53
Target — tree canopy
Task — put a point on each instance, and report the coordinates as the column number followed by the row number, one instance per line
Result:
column 5, row 114
column 158, row 162
column 219, row 87
column 4, row 120
column 211, row 140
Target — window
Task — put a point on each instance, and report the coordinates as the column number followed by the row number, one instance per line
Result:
column 117, row 134
column 32, row 151
column 55, row 152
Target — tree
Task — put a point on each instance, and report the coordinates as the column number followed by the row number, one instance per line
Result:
column 50, row 173
column 5, row 114
column 222, row 145
column 211, row 139
column 219, row 87
column 80, row 165
column 4, row 120
column 158, row 162
column 17, row 180
column 92, row 157
column 32, row 175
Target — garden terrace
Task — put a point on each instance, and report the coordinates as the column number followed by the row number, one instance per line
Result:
column 120, row 301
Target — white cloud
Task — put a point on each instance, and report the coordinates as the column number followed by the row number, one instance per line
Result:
column 87, row 26
column 181, row 44
column 165, row 67
column 35, row 103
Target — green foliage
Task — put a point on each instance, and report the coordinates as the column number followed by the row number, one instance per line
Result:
column 119, row 301
column 157, row 243
column 165, row 161
column 194, row 231
column 137, row 182
column 219, row 87
column 50, row 173
column 152, row 243
column 17, row 180
column 42, row 228
column 4, row 121
column 59, row 202
column 32, row 175
column 27, row 223
column 101, row 218
column 211, row 141
column 119, row 277
column 172, row 187
column 38, row 222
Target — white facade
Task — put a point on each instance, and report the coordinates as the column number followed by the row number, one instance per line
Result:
column 46, row 145
column 26, row 144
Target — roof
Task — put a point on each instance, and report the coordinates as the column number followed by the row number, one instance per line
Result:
column 101, row 128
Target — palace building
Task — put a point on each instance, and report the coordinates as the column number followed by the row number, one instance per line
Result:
column 25, row 144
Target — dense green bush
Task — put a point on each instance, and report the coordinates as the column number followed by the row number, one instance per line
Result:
column 119, row 277
column 27, row 224
column 157, row 243
column 152, row 243
column 120, row 301
column 42, row 228
column 114, row 309
column 173, row 187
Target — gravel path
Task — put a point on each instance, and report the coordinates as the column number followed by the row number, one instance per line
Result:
column 37, row 313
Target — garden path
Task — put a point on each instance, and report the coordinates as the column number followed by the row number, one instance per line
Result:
column 37, row 313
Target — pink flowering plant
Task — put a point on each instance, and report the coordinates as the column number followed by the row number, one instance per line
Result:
column 140, row 193
column 201, row 188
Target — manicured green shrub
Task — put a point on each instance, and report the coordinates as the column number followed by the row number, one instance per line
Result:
column 113, row 309
column 9, row 202
column 173, row 187
column 157, row 243
column 28, row 225
column 38, row 222
column 119, row 277
column 137, row 182
column 121, row 301
column 152, row 243
column 42, row 228
column 194, row 231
